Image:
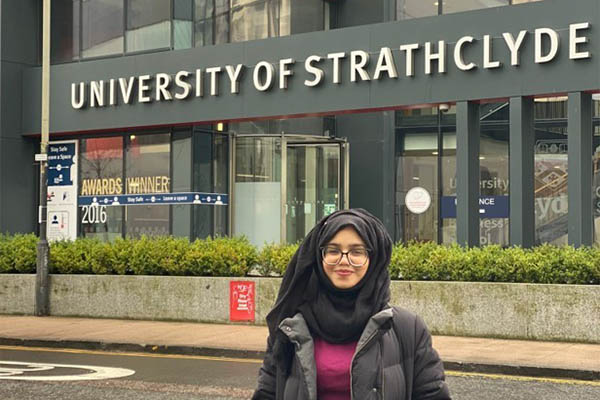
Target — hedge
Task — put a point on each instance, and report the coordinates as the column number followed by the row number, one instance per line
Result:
column 237, row 257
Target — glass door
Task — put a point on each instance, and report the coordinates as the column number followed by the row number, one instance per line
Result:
column 314, row 186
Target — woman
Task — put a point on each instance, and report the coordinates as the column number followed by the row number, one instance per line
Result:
column 332, row 334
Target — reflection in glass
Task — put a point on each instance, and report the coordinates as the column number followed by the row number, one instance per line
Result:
column 254, row 19
column 147, row 171
column 596, row 176
column 183, row 12
column 452, row 6
column 313, row 184
column 148, row 24
column 101, row 27
column 65, row 30
column 408, row 9
column 551, row 171
column 101, row 173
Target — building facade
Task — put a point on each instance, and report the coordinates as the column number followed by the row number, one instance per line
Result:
column 469, row 121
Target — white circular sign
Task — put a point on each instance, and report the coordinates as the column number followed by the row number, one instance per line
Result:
column 417, row 200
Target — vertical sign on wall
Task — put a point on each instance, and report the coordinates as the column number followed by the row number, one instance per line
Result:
column 241, row 301
column 62, row 190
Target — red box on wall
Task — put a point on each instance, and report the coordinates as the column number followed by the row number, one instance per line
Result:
column 241, row 301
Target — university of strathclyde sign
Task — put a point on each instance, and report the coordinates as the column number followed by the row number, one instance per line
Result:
column 267, row 75
column 542, row 48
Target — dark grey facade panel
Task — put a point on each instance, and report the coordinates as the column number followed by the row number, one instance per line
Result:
column 561, row 75
column 19, row 50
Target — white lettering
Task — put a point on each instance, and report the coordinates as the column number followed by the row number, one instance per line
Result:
column 126, row 88
column 358, row 66
column 385, row 63
column 574, row 40
column 487, row 54
column 214, row 83
column 163, row 81
column 112, row 93
column 440, row 56
column 336, row 57
column 77, row 103
column 554, row 41
column 514, row 46
column 143, row 88
column 234, row 77
column 410, row 62
column 284, row 72
column 269, row 73
column 97, row 94
column 180, row 82
column 458, row 58
column 199, row 83
column 317, row 72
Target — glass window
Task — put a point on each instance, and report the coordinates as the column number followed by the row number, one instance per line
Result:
column 596, row 168
column 418, row 164
column 101, row 174
column 182, row 24
column 408, row 9
column 181, row 214
column 101, row 27
column 551, row 171
column 147, row 170
column 452, row 6
column 254, row 19
column 65, row 30
column 204, row 22
column 148, row 24
column 258, row 189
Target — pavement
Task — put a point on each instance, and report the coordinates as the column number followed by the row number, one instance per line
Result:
column 514, row 357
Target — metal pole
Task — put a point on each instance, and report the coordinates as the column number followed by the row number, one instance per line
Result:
column 43, row 250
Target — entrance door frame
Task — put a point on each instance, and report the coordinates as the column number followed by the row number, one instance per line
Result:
column 294, row 140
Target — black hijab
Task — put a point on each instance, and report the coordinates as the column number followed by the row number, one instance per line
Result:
column 335, row 315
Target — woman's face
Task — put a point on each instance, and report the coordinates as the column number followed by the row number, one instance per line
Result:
column 344, row 275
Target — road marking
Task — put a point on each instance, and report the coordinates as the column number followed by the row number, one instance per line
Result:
column 522, row 378
column 133, row 354
column 256, row 361
column 18, row 371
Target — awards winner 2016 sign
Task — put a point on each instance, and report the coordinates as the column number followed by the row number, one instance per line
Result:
column 266, row 75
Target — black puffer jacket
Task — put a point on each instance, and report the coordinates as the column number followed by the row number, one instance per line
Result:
column 393, row 360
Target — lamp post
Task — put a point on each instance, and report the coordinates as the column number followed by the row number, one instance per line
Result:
column 43, row 250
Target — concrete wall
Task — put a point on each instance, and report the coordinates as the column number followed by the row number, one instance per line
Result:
column 517, row 311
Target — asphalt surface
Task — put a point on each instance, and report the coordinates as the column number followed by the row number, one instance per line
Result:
column 199, row 377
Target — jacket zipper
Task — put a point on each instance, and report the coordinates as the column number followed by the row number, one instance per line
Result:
column 358, row 350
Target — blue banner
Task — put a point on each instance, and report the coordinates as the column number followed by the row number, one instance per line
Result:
column 155, row 198
column 60, row 162
column 489, row 207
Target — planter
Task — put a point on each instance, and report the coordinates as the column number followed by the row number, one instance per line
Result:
column 501, row 310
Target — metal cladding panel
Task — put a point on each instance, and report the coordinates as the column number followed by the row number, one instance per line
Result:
column 559, row 76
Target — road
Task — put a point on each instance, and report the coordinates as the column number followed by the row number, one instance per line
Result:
column 150, row 376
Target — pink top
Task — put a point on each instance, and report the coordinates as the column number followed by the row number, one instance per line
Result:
column 333, row 369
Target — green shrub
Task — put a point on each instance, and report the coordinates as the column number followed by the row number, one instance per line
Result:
column 227, row 256
column 222, row 256
column 274, row 258
column 18, row 253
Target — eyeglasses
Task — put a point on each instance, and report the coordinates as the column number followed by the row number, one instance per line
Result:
column 356, row 257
